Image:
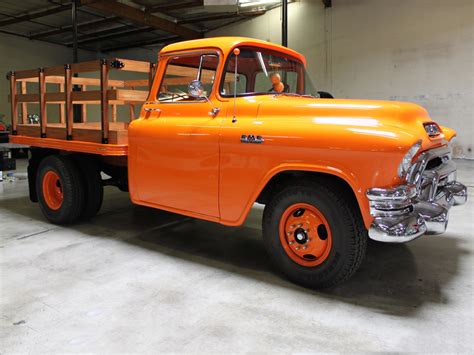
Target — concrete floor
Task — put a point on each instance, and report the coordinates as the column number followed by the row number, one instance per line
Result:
column 142, row 280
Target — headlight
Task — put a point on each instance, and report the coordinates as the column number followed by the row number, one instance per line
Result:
column 406, row 161
column 451, row 142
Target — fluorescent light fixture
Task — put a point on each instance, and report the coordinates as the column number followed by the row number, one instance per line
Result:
column 248, row 3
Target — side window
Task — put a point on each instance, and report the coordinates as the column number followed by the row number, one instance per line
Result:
column 181, row 70
column 292, row 80
column 263, row 82
column 229, row 84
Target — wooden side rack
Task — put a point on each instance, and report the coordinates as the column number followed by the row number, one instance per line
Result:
column 73, row 89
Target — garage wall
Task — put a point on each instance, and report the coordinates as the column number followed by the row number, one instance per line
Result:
column 306, row 33
column 17, row 53
column 411, row 50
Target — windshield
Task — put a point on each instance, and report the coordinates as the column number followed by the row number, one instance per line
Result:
column 261, row 71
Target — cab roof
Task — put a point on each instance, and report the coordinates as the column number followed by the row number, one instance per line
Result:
column 226, row 44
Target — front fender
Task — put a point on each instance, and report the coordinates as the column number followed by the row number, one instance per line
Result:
column 348, row 176
column 449, row 133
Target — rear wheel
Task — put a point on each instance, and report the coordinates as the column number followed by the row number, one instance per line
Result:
column 314, row 235
column 93, row 187
column 59, row 189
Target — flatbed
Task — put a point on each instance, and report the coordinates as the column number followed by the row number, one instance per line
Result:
column 72, row 130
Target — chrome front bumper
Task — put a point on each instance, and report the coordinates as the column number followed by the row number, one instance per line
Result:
column 422, row 204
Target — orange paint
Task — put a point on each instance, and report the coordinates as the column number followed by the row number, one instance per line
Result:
column 185, row 161
column 449, row 133
column 72, row 146
column 52, row 190
column 305, row 235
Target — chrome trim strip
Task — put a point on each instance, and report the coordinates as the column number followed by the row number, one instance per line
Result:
column 399, row 193
column 395, row 230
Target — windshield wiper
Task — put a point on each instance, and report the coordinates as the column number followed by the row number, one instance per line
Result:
column 262, row 63
column 294, row 94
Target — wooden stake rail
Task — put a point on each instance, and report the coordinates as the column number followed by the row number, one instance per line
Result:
column 72, row 90
column 118, row 97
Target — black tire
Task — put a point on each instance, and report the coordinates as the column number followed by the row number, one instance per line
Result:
column 93, row 186
column 349, row 236
column 71, row 185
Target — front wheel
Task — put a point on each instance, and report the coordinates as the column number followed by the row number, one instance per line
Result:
column 314, row 235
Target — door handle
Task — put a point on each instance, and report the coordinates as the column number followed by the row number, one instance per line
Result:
column 214, row 111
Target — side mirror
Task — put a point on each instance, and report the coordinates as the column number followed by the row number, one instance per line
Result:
column 325, row 95
column 196, row 90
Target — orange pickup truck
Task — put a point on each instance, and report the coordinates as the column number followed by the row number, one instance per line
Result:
column 229, row 122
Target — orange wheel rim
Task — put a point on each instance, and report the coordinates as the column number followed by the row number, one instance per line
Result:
column 52, row 190
column 305, row 235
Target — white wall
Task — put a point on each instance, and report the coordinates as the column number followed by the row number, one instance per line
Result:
column 306, row 35
column 411, row 50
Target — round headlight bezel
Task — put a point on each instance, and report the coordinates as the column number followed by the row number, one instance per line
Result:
column 452, row 141
column 407, row 159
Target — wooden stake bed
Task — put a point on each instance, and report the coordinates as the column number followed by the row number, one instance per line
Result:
column 87, row 132
column 72, row 131
column 114, row 150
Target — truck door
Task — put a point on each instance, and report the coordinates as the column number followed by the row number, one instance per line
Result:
column 175, row 145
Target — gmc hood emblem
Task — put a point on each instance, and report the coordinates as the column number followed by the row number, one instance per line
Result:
column 432, row 129
column 251, row 139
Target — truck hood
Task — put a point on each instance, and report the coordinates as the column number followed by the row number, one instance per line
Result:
column 351, row 112
column 401, row 118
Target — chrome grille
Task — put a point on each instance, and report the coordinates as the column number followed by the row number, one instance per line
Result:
column 421, row 204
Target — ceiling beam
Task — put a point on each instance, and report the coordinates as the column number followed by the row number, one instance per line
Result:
column 141, row 17
column 327, row 3
column 164, row 8
column 163, row 41
column 221, row 16
column 80, row 26
column 43, row 40
column 111, row 33
column 173, row 7
column 34, row 14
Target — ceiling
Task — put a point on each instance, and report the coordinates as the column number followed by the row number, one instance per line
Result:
column 109, row 25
